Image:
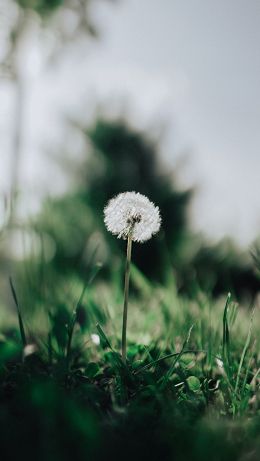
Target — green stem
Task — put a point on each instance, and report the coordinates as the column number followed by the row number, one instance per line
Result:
column 126, row 293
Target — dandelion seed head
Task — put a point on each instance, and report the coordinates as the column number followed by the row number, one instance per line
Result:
column 132, row 212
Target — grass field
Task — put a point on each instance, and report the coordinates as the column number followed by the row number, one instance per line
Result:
column 188, row 391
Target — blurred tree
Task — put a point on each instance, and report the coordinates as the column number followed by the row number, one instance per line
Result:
column 120, row 159
column 130, row 162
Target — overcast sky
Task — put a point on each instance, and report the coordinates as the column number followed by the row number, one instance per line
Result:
column 193, row 65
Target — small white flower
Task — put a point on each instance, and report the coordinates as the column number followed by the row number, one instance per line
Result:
column 29, row 349
column 95, row 339
column 132, row 212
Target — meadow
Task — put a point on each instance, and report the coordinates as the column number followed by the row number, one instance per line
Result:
column 180, row 379
column 157, row 357
column 189, row 389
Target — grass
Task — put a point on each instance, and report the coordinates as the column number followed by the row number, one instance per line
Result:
column 189, row 389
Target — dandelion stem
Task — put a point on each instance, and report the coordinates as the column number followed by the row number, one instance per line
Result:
column 126, row 292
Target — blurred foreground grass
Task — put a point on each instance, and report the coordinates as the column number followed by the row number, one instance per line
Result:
column 189, row 391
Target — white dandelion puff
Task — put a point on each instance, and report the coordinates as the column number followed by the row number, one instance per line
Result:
column 131, row 212
column 131, row 216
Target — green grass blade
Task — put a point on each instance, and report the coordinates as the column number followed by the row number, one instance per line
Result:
column 117, row 357
column 255, row 376
column 104, row 337
column 93, row 274
column 250, row 360
column 178, row 356
column 20, row 320
column 165, row 357
column 226, row 337
column 245, row 349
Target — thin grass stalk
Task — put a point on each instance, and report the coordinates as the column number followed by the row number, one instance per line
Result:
column 74, row 314
column 165, row 357
column 248, row 366
column 226, row 337
column 245, row 349
column 73, row 322
column 178, row 357
column 20, row 319
column 126, row 294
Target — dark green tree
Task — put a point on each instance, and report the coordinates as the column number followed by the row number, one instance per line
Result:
column 119, row 159
column 130, row 162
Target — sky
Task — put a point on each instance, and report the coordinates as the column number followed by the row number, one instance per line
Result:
column 190, row 68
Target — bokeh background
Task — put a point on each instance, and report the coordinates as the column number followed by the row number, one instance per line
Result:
column 102, row 96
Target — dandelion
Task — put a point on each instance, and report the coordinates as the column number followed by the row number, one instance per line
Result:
column 131, row 212
column 133, row 217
